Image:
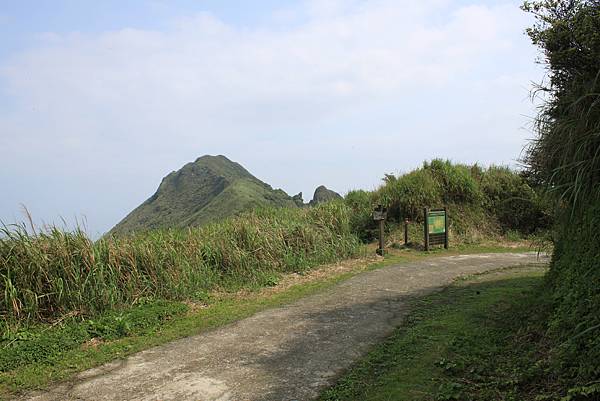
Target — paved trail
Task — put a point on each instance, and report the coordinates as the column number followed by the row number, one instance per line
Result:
column 288, row 353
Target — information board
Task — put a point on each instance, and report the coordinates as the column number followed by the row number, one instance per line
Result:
column 435, row 225
column 437, row 222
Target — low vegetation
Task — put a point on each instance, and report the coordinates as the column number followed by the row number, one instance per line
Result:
column 480, row 339
column 36, row 354
column 483, row 203
column 52, row 273
column 565, row 159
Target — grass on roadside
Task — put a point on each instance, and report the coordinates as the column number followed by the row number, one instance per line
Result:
column 48, row 273
column 51, row 354
column 480, row 339
column 37, row 355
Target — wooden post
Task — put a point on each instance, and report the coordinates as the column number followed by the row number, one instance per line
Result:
column 426, row 227
column 446, row 227
column 381, row 250
column 405, row 231
column 379, row 215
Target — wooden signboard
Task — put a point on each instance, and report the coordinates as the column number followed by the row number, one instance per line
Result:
column 435, row 230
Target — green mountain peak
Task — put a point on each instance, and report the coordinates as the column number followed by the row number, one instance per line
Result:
column 208, row 189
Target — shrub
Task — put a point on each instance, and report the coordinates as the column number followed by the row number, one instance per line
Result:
column 574, row 279
column 479, row 199
column 457, row 182
column 361, row 205
column 565, row 156
column 406, row 195
column 513, row 201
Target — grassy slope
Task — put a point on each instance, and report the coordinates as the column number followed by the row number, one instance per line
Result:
column 240, row 196
column 44, row 354
column 477, row 340
column 564, row 155
column 483, row 203
column 209, row 189
column 574, row 280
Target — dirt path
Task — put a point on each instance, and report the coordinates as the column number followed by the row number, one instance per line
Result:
column 288, row 353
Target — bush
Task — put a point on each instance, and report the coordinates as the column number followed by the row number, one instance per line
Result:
column 515, row 203
column 406, row 195
column 48, row 343
column 565, row 157
column 361, row 204
column 457, row 182
column 574, row 279
column 481, row 201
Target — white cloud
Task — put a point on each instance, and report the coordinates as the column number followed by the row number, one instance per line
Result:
column 139, row 103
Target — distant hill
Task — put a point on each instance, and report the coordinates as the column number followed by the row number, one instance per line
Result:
column 322, row 194
column 209, row 189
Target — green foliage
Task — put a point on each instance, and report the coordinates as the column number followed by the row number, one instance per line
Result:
column 516, row 204
column 565, row 153
column 53, row 272
column 361, row 204
column 565, row 157
column 47, row 343
column 574, row 278
column 473, row 341
column 471, row 224
column 482, row 202
column 589, row 392
column 408, row 194
column 457, row 183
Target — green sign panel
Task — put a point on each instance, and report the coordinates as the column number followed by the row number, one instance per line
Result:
column 437, row 222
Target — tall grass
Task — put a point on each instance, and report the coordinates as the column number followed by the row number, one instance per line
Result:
column 53, row 272
column 565, row 156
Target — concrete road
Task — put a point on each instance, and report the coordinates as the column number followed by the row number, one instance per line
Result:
column 288, row 353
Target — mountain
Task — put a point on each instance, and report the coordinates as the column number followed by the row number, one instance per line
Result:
column 322, row 194
column 209, row 189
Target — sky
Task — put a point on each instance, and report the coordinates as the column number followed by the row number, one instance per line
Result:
column 100, row 100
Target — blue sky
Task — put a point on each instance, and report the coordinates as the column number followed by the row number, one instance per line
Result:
column 100, row 100
column 22, row 21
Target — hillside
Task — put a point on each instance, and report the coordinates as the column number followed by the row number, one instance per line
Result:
column 483, row 202
column 209, row 189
